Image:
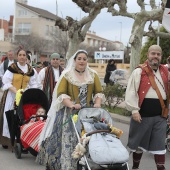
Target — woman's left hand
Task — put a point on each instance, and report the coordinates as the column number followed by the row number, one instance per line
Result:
column 76, row 106
column 97, row 105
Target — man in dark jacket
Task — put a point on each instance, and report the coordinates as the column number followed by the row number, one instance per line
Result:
column 6, row 63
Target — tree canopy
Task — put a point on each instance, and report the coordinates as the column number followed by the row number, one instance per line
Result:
column 164, row 43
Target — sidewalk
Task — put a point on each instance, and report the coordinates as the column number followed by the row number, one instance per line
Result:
column 120, row 118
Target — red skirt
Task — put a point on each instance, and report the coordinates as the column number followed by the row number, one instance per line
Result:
column 30, row 134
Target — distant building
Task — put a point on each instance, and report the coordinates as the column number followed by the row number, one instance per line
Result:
column 94, row 43
column 29, row 20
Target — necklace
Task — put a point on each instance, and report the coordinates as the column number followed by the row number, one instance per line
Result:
column 80, row 72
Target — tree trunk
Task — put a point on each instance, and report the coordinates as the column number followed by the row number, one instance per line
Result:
column 136, row 42
column 73, row 45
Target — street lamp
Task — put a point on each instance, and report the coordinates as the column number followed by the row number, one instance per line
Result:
column 102, row 48
column 158, row 26
column 120, row 31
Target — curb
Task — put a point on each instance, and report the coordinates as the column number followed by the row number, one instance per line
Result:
column 120, row 118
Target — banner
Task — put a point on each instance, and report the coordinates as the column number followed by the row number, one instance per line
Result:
column 117, row 55
column 166, row 16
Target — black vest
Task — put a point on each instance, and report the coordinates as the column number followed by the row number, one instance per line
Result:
column 6, row 64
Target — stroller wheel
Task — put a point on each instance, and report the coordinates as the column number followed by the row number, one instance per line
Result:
column 32, row 151
column 168, row 144
column 18, row 149
column 81, row 167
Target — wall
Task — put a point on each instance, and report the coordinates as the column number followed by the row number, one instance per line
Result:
column 101, row 68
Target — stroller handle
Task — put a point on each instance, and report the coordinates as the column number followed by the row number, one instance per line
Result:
column 98, row 131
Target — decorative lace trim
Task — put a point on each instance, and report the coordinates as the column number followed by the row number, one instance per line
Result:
column 100, row 95
column 58, row 104
column 89, row 77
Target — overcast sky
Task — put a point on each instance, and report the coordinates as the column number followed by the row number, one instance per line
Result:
column 109, row 27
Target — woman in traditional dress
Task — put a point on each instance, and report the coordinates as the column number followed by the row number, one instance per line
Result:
column 75, row 89
column 18, row 76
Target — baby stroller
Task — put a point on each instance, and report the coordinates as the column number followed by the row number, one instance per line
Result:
column 30, row 101
column 104, row 150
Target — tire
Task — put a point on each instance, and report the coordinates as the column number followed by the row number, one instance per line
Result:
column 118, row 166
column 168, row 144
column 18, row 150
column 32, row 151
column 81, row 167
column 47, row 167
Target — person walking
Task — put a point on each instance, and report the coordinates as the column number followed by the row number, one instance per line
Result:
column 148, row 122
column 6, row 63
column 77, row 86
column 18, row 76
column 110, row 67
column 48, row 76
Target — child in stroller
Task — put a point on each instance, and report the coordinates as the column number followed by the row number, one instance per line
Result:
column 32, row 107
column 30, row 132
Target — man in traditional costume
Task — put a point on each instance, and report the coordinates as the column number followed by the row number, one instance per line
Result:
column 48, row 76
column 18, row 76
column 148, row 126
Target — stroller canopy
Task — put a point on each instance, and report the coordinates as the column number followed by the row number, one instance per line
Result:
column 32, row 96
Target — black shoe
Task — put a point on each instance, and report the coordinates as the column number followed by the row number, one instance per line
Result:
column 5, row 146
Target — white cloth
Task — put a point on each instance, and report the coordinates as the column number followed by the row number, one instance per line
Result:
column 56, row 104
column 9, row 104
column 41, row 76
column 132, row 98
column 2, row 67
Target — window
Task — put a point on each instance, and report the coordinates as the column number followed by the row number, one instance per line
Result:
column 22, row 13
column 51, row 30
column 24, row 28
column 47, row 30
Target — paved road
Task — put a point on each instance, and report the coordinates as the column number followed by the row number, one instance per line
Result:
column 9, row 161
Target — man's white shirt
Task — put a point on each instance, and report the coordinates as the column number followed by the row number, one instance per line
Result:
column 41, row 76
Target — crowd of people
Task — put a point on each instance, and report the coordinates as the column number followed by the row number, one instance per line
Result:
column 76, row 86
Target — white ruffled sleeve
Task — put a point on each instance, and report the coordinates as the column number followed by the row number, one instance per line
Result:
column 58, row 104
column 100, row 95
column 7, row 80
column 33, row 82
column 131, row 96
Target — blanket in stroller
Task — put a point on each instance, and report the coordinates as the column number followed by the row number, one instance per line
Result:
column 30, row 134
column 103, row 148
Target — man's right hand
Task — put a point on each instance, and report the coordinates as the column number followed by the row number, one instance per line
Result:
column 136, row 117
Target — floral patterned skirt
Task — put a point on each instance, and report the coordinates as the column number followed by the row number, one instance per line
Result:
column 55, row 152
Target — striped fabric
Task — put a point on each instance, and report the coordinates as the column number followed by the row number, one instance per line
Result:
column 30, row 134
column 83, row 95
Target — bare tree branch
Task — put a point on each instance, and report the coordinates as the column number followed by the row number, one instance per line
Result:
column 141, row 4
column 157, row 34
